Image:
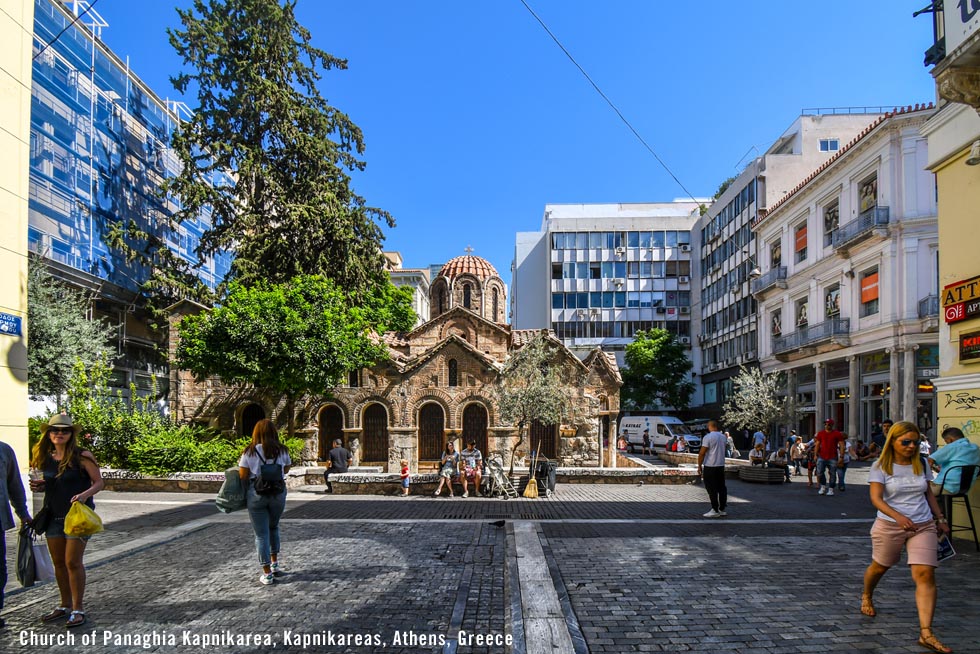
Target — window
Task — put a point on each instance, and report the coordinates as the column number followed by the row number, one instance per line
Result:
column 869, row 292
column 496, row 303
column 354, row 378
column 832, row 301
column 776, row 321
column 776, row 255
column 557, row 300
column 868, row 194
column 467, row 295
column 799, row 241
column 831, row 220
column 453, row 373
column 802, row 318
column 595, row 239
column 829, row 145
column 595, row 270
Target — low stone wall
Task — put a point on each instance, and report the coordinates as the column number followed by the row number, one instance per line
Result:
column 684, row 458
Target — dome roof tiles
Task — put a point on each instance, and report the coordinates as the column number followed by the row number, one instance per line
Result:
column 468, row 264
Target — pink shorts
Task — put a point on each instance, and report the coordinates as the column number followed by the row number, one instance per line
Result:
column 887, row 540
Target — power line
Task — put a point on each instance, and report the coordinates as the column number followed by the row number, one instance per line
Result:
column 75, row 20
column 608, row 101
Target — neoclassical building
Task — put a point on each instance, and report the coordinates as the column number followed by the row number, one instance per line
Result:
column 437, row 385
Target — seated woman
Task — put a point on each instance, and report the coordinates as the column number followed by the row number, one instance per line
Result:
column 757, row 455
column 681, row 444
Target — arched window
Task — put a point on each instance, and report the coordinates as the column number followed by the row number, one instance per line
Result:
column 495, row 307
column 354, row 378
column 453, row 373
column 466, row 295
column 442, row 299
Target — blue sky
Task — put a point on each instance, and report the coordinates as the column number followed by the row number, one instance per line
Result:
column 474, row 119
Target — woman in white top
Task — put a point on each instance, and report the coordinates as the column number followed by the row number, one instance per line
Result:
column 908, row 517
column 265, row 509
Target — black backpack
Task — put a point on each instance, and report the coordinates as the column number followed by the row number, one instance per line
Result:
column 269, row 481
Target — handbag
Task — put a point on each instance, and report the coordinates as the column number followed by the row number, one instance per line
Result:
column 42, row 519
column 82, row 520
column 231, row 496
column 43, row 566
column 26, row 568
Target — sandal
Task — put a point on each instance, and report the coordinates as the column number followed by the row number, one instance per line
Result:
column 928, row 640
column 76, row 619
column 868, row 606
column 57, row 614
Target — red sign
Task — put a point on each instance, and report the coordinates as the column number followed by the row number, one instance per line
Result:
column 970, row 346
column 961, row 311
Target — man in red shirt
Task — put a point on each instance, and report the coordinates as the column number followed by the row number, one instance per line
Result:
column 829, row 444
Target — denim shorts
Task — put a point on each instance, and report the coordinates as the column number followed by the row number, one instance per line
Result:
column 405, row 482
column 56, row 529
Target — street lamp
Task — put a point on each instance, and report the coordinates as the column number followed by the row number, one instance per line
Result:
column 755, row 272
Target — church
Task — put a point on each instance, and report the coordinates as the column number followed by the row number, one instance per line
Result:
column 436, row 386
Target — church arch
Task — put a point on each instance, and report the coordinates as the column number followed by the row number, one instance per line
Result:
column 431, row 431
column 330, row 426
column 249, row 414
column 374, row 433
column 476, row 422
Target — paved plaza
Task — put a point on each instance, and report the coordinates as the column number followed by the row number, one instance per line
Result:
column 595, row 568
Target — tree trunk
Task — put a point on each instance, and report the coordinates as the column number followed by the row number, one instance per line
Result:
column 513, row 451
column 291, row 418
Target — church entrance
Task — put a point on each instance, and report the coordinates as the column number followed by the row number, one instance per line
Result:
column 250, row 416
column 475, row 427
column 432, row 432
column 544, row 439
column 331, row 424
column 374, row 437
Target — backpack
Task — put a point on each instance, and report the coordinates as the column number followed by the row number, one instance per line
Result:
column 269, row 481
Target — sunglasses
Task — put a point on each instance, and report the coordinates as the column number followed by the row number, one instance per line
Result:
column 905, row 442
column 60, row 430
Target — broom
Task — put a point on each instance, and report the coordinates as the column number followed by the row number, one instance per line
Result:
column 531, row 491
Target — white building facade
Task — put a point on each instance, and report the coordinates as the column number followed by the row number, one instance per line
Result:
column 848, row 296
column 415, row 278
column 598, row 273
column 727, row 257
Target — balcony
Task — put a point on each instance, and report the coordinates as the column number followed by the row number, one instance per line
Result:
column 774, row 278
column 929, row 313
column 828, row 335
column 866, row 224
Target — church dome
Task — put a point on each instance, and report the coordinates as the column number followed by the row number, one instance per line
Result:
column 468, row 264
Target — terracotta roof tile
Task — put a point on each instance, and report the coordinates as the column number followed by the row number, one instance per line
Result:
column 468, row 264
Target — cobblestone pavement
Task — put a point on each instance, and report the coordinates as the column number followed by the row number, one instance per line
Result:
column 632, row 568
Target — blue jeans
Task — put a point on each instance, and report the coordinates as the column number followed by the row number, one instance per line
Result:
column 3, row 565
column 841, row 471
column 829, row 465
column 265, row 511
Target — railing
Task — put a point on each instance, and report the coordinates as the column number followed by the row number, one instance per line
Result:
column 811, row 334
column 856, row 229
column 929, row 306
column 769, row 280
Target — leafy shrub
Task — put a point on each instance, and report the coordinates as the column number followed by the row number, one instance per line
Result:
column 185, row 448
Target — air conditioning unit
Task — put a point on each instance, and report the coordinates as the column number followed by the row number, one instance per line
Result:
column 684, row 279
column 580, row 312
column 620, row 250
column 594, row 312
column 618, row 281
column 685, row 340
column 661, row 310
column 702, row 338
column 685, row 248
column 685, row 309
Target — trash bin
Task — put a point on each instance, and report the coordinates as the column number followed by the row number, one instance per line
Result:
column 545, row 474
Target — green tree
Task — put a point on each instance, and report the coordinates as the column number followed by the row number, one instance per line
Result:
column 289, row 208
column 533, row 386
column 60, row 333
column 758, row 400
column 657, row 370
column 723, row 187
column 293, row 338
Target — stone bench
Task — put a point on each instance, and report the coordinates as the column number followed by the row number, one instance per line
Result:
column 762, row 474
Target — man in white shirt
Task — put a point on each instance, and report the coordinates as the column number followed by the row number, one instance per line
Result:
column 711, row 467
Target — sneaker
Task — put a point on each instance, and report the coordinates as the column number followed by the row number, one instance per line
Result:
column 266, row 579
column 436, row 494
column 830, row 491
column 276, row 569
column 451, row 495
column 722, row 512
column 478, row 494
column 822, row 491
column 712, row 514
column 841, row 488
column 466, row 494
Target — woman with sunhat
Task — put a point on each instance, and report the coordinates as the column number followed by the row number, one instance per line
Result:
column 71, row 475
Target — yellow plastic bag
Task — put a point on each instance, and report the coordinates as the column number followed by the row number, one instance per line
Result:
column 82, row 521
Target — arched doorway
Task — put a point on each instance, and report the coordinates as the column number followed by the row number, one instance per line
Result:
column 475, row 422
column 251, row 414
column 544, row 439
column 432, row 425
column 374, row 437
column 331, row 423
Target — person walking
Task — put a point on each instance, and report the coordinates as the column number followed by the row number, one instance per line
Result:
column 265, row 509
column 730, row 450
column 339, row 460
column 406, row 477
column 711, row 467
column 908, row 518
column 798, row 455
column 646, row 442
column 448, row 468
column 70, row 474
column 829, row 445
column 12, row 494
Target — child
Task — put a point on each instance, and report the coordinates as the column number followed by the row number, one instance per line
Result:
column 406, row 480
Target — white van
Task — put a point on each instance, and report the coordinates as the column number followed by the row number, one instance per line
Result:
column 662, row 429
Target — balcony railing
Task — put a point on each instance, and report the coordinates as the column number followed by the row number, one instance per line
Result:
column 811, row 335
column 929, row 306
column 769, row 280
column 861, row 227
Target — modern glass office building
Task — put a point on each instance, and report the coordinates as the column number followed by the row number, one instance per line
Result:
column 99, row 154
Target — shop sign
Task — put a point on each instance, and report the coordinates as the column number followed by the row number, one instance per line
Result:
column 960, row 20
column 927, row 373
column 962, row 311
column 970, row 346
column 964, row 291
column 10, row 324
column 807, row 408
